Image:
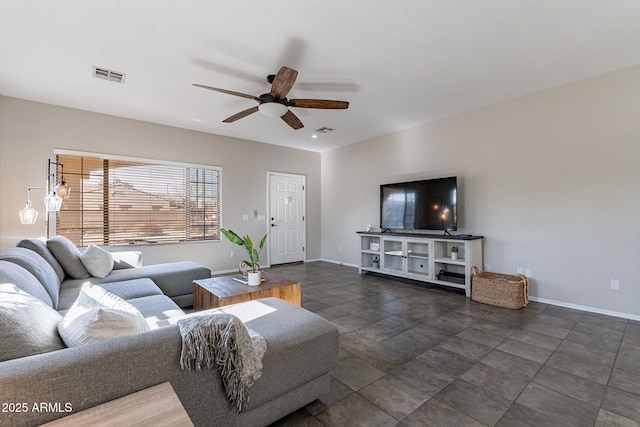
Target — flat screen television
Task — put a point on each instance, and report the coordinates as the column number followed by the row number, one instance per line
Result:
column 420, row 205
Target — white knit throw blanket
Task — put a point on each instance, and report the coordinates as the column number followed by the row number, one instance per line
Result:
column 223, row 342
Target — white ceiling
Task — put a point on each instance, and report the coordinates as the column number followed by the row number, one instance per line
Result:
column 399, row 64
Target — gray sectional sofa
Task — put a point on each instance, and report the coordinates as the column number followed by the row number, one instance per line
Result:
column 36, row 367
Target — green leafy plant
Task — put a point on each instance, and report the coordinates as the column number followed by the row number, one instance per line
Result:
column 454, row 249
column 247, row 244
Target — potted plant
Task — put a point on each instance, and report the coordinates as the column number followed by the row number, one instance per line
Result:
column 454, row 252
column 250, row 267
column 376, row 263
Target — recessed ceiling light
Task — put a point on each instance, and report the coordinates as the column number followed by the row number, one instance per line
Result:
column 314, row 136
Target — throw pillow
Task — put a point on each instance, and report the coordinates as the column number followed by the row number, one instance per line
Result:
column 94, row 312
column 39, row 246
column 23, row 279
column 126, row 259
column 97, row 261
column 27, row 325
column 68, row 256
column 39, row 267
column 101, row 324
column 93, row 296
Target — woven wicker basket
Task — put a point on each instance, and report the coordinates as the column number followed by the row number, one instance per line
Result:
column 502, row 290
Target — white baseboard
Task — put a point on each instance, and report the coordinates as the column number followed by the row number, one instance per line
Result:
column 586, row 308
column 542, row 300
column 338, row 262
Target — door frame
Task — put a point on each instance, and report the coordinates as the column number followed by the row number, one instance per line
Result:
column 304, row 210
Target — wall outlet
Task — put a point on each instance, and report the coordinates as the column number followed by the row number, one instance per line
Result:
column 232, row 254
column 245, row 217
column 519, row 270
column 486, row 267
column 615, row 285
column 527, row 272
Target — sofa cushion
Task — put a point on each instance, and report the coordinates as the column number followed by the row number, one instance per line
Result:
column 39, row 267
column 27, row 325
column 97, row 261
column 174, row 278
column 126, row 289
column 13, row 273
column 308, row 351
column 39, row 246
column 68, row 255
column 136, row 288
column 158, row 310
column 99, row 315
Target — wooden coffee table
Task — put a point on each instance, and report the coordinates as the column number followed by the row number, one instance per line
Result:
column 224, row 290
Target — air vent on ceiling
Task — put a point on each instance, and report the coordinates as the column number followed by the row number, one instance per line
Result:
column 106, row 74
column 324, row 129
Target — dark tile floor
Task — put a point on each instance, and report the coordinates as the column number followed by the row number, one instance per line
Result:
column 416, row 355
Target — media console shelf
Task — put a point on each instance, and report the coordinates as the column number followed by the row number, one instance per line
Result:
column 423, row 257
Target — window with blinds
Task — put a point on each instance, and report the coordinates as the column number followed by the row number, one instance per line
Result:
column 117, row 202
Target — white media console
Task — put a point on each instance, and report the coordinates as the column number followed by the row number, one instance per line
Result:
column 423, row 257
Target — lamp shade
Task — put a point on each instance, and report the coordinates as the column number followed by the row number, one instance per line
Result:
column 28, row 215
column 52, row 202
column 63, row 189
column 272, row 109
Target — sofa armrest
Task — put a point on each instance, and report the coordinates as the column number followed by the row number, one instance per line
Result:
column 74, row 379
column 126, row 259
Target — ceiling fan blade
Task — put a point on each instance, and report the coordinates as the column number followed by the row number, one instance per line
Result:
column 283, row 82
column 229, row 92
column 319, row 103
column 240, row 115
column 292, row 120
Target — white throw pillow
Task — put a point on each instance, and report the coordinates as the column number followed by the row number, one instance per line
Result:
column 97, row 261
column 101, row 324
column 99, row 315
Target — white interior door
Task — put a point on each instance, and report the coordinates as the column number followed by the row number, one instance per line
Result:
column 287, row 217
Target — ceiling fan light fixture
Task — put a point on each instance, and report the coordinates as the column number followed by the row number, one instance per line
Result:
column 273, row 109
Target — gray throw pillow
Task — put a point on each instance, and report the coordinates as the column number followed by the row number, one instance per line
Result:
column 13, row 273
column 36, row 265
column 68, row 255
column 27, row 325
column 39, row 246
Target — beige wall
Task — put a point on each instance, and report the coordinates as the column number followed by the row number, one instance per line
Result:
column 30, row 131
column 551, row 180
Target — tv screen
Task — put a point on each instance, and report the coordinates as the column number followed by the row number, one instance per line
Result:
column 419, row 205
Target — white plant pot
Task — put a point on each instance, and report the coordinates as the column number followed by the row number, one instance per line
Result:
column 253, row 278
column 454, row 255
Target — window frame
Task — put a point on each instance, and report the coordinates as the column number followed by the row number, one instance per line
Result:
column 113, row 157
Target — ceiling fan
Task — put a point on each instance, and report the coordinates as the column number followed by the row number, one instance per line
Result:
column 275, row 103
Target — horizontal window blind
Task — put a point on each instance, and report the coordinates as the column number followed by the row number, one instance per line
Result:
column 116, row 202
